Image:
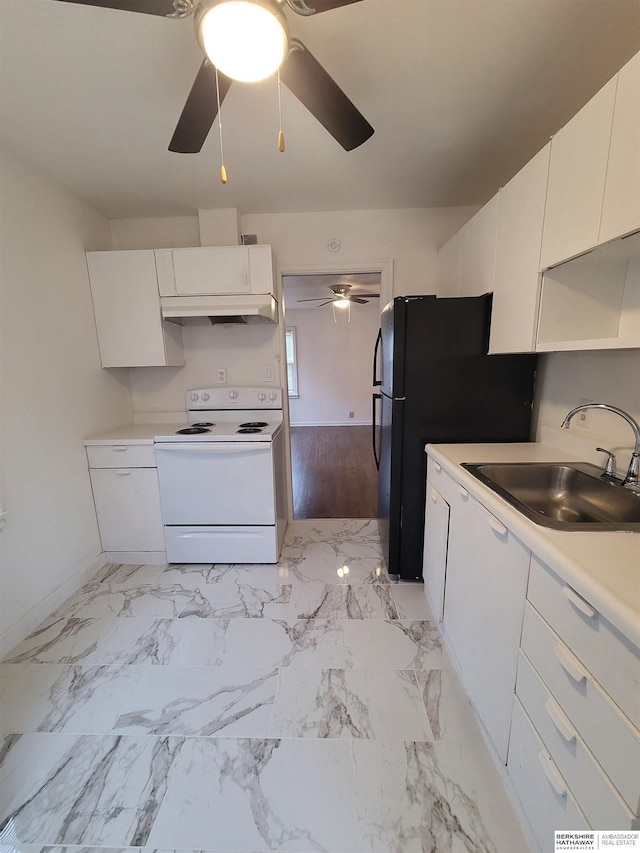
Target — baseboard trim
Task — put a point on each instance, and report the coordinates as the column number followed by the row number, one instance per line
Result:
column 330, row 423
column 143, row 558
column 21, row 629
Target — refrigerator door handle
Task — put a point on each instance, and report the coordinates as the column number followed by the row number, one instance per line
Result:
column 373, row 429
column 376, row 349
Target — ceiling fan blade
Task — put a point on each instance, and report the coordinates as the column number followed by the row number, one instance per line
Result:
column 370, row 295
column 315, row 299
column 164, row 8
column 199, row 111
column 306, row 78
column 328, row 302
column 314, row 7
column 357, row 299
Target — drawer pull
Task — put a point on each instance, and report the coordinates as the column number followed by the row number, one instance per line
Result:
column 579, row 603
column 496, row 525
column 122, row 472
column 551, row 772
column 560, row 720
column 464, row 494
column 119, row 448
column 438, row 467
column 434, row 496
column 569, row 663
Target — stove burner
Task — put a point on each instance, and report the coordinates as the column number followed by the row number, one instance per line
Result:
column 255, row 424
column 194, row 430
column 204, row 424
column 249, row 429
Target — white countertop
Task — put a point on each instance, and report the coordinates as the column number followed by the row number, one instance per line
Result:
column 133, row 433
column 602, row 566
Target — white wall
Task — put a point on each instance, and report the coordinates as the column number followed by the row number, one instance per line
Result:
column 411, row 238
column 334, row 365
column 54, row 393
column 608, row 376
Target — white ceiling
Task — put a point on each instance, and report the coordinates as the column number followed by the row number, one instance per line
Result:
column 461, row 94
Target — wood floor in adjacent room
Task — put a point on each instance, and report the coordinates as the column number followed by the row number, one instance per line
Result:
column 334, row 474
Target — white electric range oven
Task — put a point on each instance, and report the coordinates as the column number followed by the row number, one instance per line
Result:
column 222, row 478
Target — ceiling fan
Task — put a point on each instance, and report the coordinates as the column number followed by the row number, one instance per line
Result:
column 341, row 297
column 299, row 70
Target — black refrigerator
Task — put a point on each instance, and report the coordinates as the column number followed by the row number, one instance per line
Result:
column 436, row 385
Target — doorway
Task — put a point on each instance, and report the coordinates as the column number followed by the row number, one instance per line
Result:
column 332, row 321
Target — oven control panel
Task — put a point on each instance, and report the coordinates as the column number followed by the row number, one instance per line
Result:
column 239, row 397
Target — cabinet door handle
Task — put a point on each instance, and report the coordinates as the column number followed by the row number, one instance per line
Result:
column 464, row 494
column 122, row 472
column 560, row 720
column 119, row 448
column 551, row 772
column 569, row 663
column 497, row 526
column 579, row 603
column 434, row 496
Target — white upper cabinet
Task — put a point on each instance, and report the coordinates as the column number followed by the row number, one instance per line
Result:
column 479, row 250
column 131, row 331
column 621, row 206
column 219, row 270
column 516, row 281
column 577, row 172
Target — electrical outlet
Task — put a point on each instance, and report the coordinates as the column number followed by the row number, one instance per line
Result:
column 583, row 419
column 269, row 373
column 351, row 414
column 221, row 375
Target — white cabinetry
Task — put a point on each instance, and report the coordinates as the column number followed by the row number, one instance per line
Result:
column 516, row 288
column 124, row 480
column 542, row 791
column 577, row 172
column 486, row 582
column 621, row 206
column 219, row 270
column 126, row 305
column 436, row 540
column 578, row 687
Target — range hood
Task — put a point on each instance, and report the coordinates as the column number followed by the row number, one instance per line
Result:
column 242, row 308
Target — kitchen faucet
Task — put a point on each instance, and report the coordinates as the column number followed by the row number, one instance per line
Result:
column 631, row 478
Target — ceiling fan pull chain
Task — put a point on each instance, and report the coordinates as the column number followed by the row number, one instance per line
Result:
column 281, row 145
column 223, row 171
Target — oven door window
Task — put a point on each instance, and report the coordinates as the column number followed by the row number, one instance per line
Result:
column 216, row 483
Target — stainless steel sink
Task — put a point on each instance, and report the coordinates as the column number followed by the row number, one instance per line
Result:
column 564, row 496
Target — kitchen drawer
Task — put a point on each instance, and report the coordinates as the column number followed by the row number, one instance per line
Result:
column 121, row 455
column 614, row 742
column 542, row 791
column 592, row 790
column 606, row 653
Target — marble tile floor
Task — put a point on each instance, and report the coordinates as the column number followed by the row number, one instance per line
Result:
column 307, row 706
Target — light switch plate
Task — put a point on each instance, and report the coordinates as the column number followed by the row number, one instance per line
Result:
column 269, row 373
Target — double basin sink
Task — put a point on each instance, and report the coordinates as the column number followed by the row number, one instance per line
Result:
column 562, row 496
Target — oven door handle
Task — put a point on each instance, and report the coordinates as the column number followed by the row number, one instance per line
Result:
column 210, row 447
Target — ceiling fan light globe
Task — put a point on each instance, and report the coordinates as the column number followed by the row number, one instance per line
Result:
column 245, row 39
column 341, row 303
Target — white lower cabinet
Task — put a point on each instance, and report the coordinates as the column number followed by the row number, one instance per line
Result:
column 127, row 502
column 436, row 539
column 541, row 789
column 554, row 683
column 486, row 582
